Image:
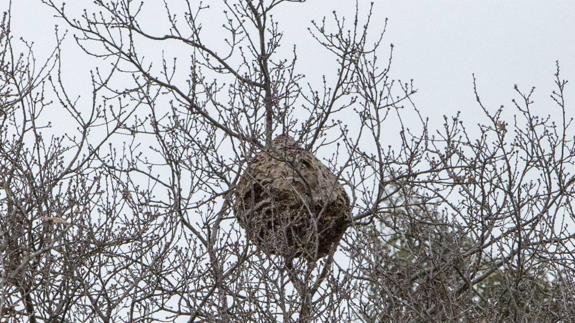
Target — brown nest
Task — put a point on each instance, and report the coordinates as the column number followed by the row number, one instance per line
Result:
column 290, row 204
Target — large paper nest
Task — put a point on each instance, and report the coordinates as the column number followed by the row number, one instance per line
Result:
column 290, row 204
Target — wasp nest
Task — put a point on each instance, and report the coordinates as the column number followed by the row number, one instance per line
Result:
column 290, row 204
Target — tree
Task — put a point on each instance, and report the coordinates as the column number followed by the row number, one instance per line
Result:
column 129, row 216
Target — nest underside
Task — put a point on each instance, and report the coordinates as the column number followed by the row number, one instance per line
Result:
column 290, row 204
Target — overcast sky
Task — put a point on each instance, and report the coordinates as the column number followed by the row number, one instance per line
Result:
column 438, row 43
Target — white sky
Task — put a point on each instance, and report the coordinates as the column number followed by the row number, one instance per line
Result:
column 438, row 43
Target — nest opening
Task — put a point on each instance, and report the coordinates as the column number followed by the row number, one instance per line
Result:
column 291, row 204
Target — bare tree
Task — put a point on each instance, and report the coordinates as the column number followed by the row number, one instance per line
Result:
column 132, row 213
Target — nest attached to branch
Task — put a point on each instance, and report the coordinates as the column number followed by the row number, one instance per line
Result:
column 290, row 204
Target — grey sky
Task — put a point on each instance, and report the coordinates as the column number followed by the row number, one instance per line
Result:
column 439, row 43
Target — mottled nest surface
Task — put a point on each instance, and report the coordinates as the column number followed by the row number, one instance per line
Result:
column 290, row 204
